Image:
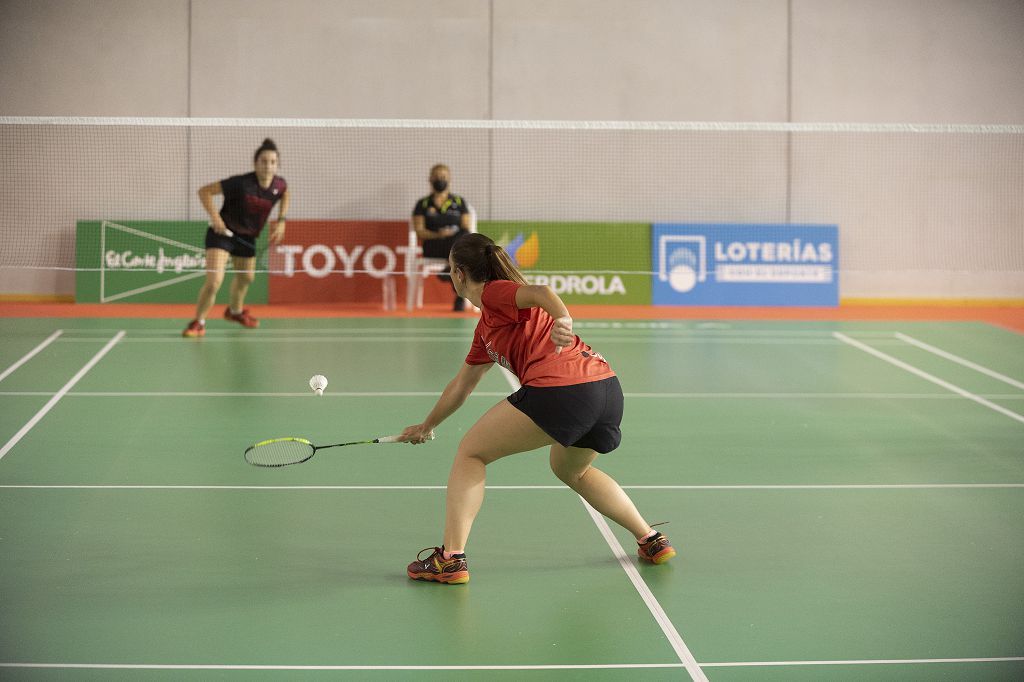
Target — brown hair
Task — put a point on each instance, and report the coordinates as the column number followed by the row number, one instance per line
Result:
column 267, row 146
column 483, row 260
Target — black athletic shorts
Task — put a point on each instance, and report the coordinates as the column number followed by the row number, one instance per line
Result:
column 581, row 416
column 238, row 245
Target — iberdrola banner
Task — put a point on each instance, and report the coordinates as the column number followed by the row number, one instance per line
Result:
column 607, row 263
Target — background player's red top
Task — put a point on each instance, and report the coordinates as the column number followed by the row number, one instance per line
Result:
column 519, row 340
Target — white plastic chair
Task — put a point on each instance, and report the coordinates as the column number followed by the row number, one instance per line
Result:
column 421, row 268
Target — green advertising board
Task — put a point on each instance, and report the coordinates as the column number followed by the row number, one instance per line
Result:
column 608, row 263
column 146, row 261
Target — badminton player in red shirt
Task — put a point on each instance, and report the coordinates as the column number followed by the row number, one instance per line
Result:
column 248, row 200
column 570, row 400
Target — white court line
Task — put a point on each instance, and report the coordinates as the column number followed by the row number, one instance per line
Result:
column 58, row 395
column 879, row 661
column 678, row 645
column 959, row 360
column 738, row 341
column 554, row 666
column 824, row 486
column 928, row 377
column 28, row 356
column 820, row 396
column 501, row 394
column 201, row 666
column 290, row 339
column 605, row 330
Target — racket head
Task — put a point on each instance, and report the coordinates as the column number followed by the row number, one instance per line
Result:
column 279, row 452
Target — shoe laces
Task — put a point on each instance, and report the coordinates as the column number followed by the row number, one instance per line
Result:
column 432, row 550
column 658, row 536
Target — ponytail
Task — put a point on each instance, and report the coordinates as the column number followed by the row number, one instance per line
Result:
column 483, row 260
column 502, row 265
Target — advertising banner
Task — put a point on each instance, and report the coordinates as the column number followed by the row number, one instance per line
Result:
column 604, row 263
column 336, row 261
column 145, row 261
column 745, row 265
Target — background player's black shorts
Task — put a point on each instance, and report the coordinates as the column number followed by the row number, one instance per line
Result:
column 241, row 246
column 582, row 416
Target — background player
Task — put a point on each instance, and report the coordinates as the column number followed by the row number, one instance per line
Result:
column 248, row 200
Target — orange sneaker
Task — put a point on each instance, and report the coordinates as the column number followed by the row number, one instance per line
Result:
column 436, row 568
column 243, row 318
column 657, row 550
column 194, row 330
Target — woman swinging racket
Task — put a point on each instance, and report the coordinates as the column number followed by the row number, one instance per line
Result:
column 570, row 400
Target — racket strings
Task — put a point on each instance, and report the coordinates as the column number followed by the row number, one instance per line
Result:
column 279, row 452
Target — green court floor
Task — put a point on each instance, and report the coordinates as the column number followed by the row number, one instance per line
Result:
column 847, row 500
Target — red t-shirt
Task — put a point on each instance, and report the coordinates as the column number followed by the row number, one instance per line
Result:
column 520, row 341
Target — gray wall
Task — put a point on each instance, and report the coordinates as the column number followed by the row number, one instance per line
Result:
column 908, row 61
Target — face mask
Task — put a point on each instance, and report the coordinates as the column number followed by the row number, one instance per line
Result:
column 439, row 185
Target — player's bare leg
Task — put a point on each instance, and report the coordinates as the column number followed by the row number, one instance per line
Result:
column 216, row 261
column 573, row 467
column 245, row 274
column 502, row 431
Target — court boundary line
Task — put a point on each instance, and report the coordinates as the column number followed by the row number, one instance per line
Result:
column 31, row 354
column 16, row 438
column 959, row 360
column 667, row 627
column 866, row 661
column 591, row 326
column 928, row 377
column 676, row 340
column 550, row 666
column 214, row 666
column 660, row 617
column 725, row 395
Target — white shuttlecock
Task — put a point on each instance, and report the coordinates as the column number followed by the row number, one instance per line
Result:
column 318, row 383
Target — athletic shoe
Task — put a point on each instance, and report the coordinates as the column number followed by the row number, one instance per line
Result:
column 436, row 568
column 657, row 550
column 243, row 318
column 194, row 330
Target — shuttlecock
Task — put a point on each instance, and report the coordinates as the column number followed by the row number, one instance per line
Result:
column 318, row 383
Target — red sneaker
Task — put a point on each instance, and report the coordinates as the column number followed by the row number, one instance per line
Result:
column 194, row 329
column 436, row 568
column 657, row 550
column 243, row 318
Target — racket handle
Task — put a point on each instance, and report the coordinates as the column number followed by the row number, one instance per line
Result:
column 397, row 439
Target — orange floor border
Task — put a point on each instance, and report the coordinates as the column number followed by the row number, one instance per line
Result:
column 1008, row 316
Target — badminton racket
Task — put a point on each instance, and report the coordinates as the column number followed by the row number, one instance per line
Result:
column 279, row 452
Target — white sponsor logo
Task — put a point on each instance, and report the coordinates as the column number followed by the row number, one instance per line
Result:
column 319, row 260
column 588, row 285
column 160, row 261
column 794, row 251
column 683, row 261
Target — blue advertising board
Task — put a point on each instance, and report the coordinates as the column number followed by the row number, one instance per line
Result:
column 745, row 265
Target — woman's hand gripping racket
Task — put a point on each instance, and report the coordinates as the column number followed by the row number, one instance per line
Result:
column 279, row 452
